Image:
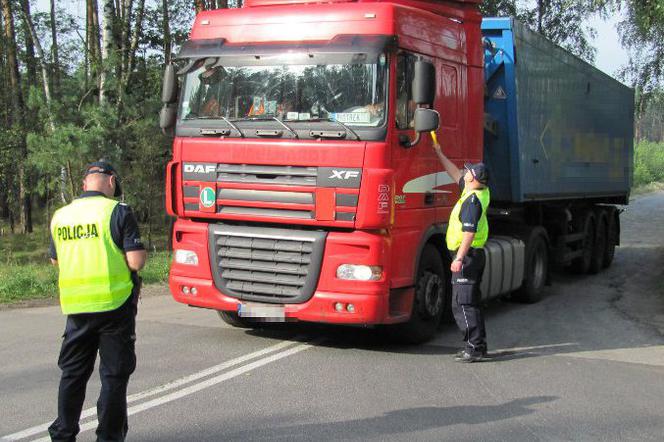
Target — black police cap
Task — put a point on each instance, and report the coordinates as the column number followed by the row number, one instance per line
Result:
column 106, row 168
column 479, row 172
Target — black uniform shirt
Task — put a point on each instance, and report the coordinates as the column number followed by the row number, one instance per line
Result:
column 124, row 228
column 471, row 211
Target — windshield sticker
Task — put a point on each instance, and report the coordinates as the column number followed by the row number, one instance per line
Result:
column 292, row 116
column 304, row 116
column 262, row 106
column 352, row 117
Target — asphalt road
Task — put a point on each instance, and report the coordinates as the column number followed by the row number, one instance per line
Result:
column 586, row 363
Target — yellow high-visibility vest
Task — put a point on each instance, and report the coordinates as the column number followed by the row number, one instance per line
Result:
column 94, row 276
column 454, row 232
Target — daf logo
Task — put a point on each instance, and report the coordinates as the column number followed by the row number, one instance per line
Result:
column 200, row 168
column 344, row 174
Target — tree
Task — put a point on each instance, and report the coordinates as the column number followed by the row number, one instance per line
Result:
column 55, row 57
column 16, row 115
column 561, row 21
column 643, row 35
column 107, row 48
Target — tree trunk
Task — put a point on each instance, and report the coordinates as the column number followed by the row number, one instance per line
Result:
column 17, row 113
column 199, row 5
column 30, row 70
column 27, row 19
column 125, row 36
column 540, row 16
column 166, row 29
column 107, row 46
column 135, row 39
column 55, row 57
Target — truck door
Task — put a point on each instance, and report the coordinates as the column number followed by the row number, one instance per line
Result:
column 417, row 169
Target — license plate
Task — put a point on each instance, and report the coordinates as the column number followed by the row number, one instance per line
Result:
column 262, row 312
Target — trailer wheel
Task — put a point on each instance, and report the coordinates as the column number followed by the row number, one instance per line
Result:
column 430, row 301
column 233, row 319
column 601, row 242
column 611, row 238
column 537, row 267
column 584, row 223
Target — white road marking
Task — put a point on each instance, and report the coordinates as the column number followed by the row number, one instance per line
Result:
column 650, row 355
column 91, row 412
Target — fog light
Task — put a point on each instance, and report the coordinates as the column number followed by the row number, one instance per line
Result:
column 350, row 308
column 339, row 307
column 194, row 291
column 185, row 290
column 351, row 272
column 186, row 257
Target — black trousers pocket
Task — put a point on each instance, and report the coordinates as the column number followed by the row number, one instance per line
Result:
column 465, row 294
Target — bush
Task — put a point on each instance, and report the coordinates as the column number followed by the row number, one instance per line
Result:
column 648, row 163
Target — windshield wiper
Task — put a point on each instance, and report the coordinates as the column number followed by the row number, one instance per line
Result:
column 210, row 117
column 287, row 127
column 344, row 125
column 230, row 123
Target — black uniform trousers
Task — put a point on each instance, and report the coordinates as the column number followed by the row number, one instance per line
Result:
column 113, row 335
column 466, row 297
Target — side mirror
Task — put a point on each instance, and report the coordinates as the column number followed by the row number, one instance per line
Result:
column 167, row 117
column 424, row 83
column 426, row 120
column 169, row 90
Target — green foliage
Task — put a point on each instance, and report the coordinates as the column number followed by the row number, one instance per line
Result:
column 27, row 281
column 648, row 163
column 20, row 282
column 642, row 32
column 156, row 269
column 561, row 21
column 26, row 273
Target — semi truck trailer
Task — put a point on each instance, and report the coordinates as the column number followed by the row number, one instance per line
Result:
column 303, row 179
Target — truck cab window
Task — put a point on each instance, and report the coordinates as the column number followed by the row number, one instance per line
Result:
column 405, row 111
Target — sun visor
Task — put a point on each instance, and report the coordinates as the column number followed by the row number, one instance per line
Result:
column 370, row 45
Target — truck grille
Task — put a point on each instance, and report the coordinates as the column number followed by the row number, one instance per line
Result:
column 252, row 173
column 266, row 264
column 272, row 191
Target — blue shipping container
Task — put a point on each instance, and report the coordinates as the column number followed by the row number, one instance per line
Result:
column 563, row 129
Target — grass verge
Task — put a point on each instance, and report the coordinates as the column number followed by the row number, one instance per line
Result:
column 29, row 281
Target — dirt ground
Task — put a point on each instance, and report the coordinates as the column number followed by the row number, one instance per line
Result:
column 638, row 271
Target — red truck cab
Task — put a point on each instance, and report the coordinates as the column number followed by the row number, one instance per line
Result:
column 301, row 188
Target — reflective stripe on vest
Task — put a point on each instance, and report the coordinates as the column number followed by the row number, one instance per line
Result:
column 94, row 276
column 454, row 229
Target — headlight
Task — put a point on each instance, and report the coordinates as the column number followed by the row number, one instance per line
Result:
column 351, row 272
column 186, row 257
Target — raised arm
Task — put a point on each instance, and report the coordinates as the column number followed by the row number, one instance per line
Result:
column 449, row 166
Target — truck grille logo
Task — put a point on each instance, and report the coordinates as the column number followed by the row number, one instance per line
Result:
column 200, row 168
column 344, row 174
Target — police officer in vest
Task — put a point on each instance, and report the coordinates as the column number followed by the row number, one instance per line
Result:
column 96, row 244
column 467, row 233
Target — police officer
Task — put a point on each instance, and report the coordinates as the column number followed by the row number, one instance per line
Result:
column 97, row 246
column 467, row 233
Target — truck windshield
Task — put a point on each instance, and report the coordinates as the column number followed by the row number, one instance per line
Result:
column 293, row 87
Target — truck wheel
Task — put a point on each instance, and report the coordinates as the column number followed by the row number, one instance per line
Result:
column 599, row 248
column 537, row 267
column 429, row 303
column 611, row 238
column 584, row 223
column 233, row 319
